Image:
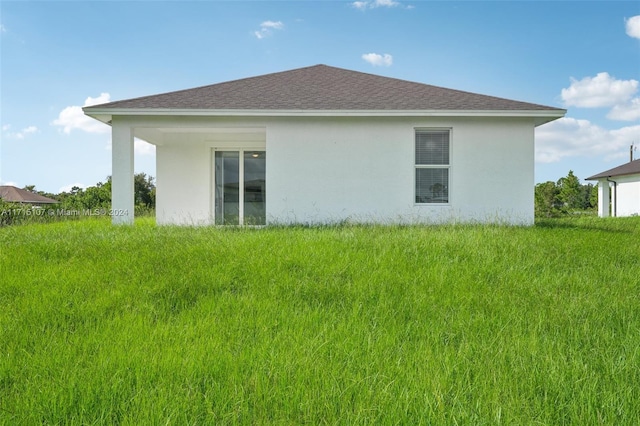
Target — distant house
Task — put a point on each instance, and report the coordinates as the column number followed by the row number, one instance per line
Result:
column 323, row 144
column 12, row 194
column 619, row 190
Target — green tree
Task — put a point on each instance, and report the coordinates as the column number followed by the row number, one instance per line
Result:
column 570, row 192
column 144, row 190
column 98, row 196
column 587, row 200
column 593, row 197
column 547, row 203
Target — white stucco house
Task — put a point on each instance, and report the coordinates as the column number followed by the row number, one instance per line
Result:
column 619, row 190
column 321, row 145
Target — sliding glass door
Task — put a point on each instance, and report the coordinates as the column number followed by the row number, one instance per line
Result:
column 254, row 188
column 239, row 182
column 227, row 178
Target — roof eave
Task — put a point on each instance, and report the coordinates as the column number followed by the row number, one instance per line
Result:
column 596, row 177
column 601, row 176
column 106, row 114
column 629, row 169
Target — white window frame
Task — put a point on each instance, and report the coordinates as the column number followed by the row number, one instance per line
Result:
column 417, row 166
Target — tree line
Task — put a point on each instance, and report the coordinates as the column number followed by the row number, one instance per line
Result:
column 565, row 196
column 99, row 196
column 95, row 199
column 552, row 199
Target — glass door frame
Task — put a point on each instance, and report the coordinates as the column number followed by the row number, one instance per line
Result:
column 241, row 182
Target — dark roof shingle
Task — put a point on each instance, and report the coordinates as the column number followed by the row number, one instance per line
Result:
column 16, row 195
column 322, row 87
column 630, row 168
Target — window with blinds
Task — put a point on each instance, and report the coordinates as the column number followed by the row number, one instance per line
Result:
column 432, row 166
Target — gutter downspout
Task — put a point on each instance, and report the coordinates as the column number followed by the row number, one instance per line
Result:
column 615, row 196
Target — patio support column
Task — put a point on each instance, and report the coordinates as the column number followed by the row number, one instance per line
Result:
column 603, row 198
column 122, row 197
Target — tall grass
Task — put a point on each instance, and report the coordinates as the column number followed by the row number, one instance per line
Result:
column 335, row 325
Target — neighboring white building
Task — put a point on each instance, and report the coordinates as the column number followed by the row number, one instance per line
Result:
column 619, row 190
column 324, row 145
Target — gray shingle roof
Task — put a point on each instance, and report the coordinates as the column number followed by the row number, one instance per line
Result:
column 630, row 168
column 16, row 195
column 322, row 87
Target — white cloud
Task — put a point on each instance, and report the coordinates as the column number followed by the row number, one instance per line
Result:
column 599, row 91
column 629, row 111
column 385, row 3
column 605, row 91
column 143, row 148
column 9, row 183
column 377, row 60
column 102, row 99
column 570, row 137
column 271, row 24
column 67, row 188
column 139, row 147
column 633, row 26
column 18, row 135
column 72, row 117
column 267, row 27
column 364, row 5
column 3, row 29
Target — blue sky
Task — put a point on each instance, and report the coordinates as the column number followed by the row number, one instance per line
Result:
column 57, row 56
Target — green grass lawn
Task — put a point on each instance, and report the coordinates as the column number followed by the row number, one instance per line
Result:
column 335, row 325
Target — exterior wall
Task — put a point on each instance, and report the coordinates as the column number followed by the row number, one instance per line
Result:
column 494, row 170
column 625, row 196
column 333, row 169
column 184, row 181
column 628, row 195
column 122, row 158
column 182, row 184
column 603, row 198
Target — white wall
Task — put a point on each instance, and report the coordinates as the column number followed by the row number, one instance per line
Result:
column 494, row 170
column 628, row 195
column 330, row 169
column 184, row 181
column 182, row 184
column 334, row 169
